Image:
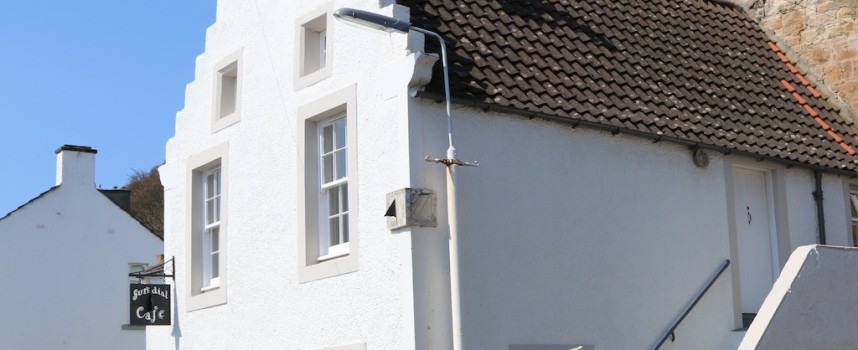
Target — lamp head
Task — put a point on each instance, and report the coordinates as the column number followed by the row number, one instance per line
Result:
column 372, row 20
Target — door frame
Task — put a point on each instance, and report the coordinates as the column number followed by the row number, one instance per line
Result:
column 778, row 225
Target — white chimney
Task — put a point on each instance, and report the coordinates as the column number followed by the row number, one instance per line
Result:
column 76, row 165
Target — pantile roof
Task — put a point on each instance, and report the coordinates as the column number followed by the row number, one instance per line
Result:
column 698, row 72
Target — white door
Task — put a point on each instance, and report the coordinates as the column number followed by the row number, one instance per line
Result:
column 755, row 234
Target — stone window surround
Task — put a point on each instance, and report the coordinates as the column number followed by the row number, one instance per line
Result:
column 309, row 115
column 303, row 23
column 197, row 297
column 232, row 63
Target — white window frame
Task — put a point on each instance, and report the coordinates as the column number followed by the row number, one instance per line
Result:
column 323, row 49
column 228, row 96
column 338, row 185
column 211, row 229
column 317, row 259
column 313, row 52
column 227, row 75
column 203, row 289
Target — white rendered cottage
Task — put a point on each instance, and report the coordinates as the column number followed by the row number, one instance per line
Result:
column 65, row 262
column 628, row 151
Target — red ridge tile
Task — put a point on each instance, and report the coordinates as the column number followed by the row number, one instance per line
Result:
column 792, row 68
column 834, row 136
column 774, row 46
column 789, row 86
column 813, row 92
column 802, row 79
column 800, row 100
column 821, row 122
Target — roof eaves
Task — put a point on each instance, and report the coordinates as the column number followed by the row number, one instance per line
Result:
column 128, row 212
column 30, row 201
column 654, row 137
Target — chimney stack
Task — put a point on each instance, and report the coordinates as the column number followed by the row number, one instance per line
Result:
column 76, row 165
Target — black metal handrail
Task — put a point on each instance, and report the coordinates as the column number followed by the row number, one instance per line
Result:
column 669, row 333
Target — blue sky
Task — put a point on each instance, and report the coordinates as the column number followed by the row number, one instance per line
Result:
column 109, row 74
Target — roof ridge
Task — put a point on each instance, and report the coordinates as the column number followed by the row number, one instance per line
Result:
column 803, row 103
column 797, row 62
column 40, row 195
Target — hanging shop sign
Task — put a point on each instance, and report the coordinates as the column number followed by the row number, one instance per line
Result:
column 150, row 304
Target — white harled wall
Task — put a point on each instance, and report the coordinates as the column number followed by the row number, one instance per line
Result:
column 568, row 235
column 267, row 306
column 576, row 236
column 64, row 262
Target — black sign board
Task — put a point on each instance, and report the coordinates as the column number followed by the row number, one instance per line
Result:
column 150, row 304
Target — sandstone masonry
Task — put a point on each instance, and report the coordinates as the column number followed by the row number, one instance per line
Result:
column 822, row 35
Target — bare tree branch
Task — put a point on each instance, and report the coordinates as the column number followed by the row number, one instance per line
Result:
column 147, row 199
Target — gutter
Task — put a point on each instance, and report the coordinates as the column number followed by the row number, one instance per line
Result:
column 620, row 130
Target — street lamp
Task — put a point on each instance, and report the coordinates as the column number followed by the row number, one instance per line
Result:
column 389, row 24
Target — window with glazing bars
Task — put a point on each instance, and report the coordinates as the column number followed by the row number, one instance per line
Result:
column 334, row 204
column 211, row 228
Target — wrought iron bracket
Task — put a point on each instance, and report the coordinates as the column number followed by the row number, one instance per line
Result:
column 157, row 271
column 449, row 161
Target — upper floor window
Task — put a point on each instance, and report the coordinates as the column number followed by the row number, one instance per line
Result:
column 328, row 188
column 207, row 192
column 334, row 225
column 227, row 92
column 315, row 40
column 323, row 49
column 211, row 229
column 313, row 49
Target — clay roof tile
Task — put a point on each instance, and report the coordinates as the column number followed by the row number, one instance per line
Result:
column 699, row 70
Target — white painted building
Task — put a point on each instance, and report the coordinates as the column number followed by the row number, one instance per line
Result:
column 65, row 262
column 581, row 226
column 810, row 303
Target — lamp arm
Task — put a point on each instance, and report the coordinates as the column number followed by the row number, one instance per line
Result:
column 451, row 151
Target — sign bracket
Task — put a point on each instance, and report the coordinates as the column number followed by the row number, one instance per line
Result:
column 159, row 270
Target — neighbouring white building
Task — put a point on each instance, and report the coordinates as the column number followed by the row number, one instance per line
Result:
column 628, row 151
column 65, row 262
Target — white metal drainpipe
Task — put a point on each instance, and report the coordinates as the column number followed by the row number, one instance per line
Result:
column 452, row 208
column 452, row 211
column 385, row 23
column 453, row 222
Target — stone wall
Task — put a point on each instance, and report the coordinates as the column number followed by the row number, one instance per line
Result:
column 822, row 35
